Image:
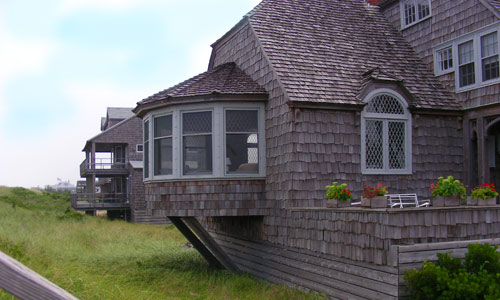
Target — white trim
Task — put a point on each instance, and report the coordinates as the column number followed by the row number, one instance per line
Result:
column 137, row 148
column 437, row 68
column 417, row 19
column 218, row 140
column 386, row 118
column 474, row 36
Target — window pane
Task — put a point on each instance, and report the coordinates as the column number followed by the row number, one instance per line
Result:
column 465, row 52
column 241, row 121
column 197, row 122
column 489, row 45
column 445, row 59
column 197, row 154
column 423, row 9
column 374, row 148
column 163, row 156
column 385, row 104
column 410, row 15
column 242, row 153
column 146, row 159
column 396, row 145
column 490, row 68
column 146, row 130
column 467, row 75
column 163, row 126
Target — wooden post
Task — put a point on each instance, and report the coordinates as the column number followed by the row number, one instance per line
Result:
column 211, row 244
column 197, row 244
column 26, row 284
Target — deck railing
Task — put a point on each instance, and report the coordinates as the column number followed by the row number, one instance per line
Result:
column 101, row 164
column 98, row 198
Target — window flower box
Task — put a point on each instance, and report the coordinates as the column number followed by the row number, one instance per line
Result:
column 445, row 201
column 375, row 202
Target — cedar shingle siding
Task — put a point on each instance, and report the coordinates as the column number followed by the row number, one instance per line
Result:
column 315, row 61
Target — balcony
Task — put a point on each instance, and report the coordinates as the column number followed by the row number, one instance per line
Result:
column 103, row 167
column 104, row 201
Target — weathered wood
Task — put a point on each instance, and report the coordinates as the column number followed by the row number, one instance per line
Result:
column 445, row 245
column 26, row 284
column 209, row 242
column 197, row 244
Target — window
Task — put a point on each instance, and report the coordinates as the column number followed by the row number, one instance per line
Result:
column 242, row 147
column 444, row 61
column 146, row 149
column 385, row 134
column 197, row 143
column 414, row 11
column 139, row 148
column 489, row 56
column 474, row 58
column 163, row 145
column 206, row 141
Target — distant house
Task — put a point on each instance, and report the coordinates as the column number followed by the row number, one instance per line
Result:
column 113, row 169
column 301, row 93
column 63, row 186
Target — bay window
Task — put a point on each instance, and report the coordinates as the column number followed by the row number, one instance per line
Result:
column 206, row 141
column 146, row 149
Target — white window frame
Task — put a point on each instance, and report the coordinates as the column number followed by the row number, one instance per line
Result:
column 417, row 18
column 147, row 124
column 218, row 141
column 137, row 148
column 406, row 118
column 437, row 59
column 153, row 140
column 478, row 72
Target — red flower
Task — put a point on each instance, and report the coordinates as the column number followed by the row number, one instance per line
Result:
column 344, row 190
column 493, row 190
column 348, row 193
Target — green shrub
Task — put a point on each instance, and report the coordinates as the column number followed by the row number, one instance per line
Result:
column 448, row 187
column 478, row 277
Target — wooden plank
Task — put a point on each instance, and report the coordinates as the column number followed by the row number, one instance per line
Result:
column 26, row 284
column 445, row 245
column 370, row 271
column 276, row 271
column 211, row 244
column 335, row 279
column 421, row 256
column 197, row 244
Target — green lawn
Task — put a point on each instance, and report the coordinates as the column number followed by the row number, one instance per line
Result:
column 94, row 258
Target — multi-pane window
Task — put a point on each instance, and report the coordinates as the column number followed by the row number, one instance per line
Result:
column 413, row 11
column 205, row 141
column 385, row 135
column 489, row 56
column 466, row 71
column 146, row 149
column 444, row 59
column 242, row 148
column 473, row 57
column 197, row 142
column 163, row 145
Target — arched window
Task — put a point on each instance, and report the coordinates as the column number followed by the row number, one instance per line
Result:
column 385, row 134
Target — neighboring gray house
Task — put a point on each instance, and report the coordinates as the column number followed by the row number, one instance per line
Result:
column 301, row 93
column 113, row 169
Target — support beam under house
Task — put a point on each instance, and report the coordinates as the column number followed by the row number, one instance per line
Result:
column 204, row 243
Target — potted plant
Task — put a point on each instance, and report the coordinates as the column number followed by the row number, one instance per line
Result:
column 337, row 195
column 447, row 192
column 483, row 195
column 374, row 197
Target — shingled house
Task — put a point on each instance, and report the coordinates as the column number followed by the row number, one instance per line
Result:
column 113, row 169
column 301, row 93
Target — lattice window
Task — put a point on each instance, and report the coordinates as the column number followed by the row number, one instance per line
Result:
column 385, row 104
column 242, row 155
column 385, row 127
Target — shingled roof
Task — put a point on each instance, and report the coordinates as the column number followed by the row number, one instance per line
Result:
column 320, row 49
column 226, row 79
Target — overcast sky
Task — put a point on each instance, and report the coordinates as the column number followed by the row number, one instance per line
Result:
column 62, row 62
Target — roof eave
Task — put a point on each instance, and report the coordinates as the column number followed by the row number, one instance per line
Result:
column 142, row 109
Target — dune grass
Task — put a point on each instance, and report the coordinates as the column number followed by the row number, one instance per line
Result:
column 94, row 258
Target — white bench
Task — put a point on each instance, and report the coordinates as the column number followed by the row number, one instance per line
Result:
column 405, row 200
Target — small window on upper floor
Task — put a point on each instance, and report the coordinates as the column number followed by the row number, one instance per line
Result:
column 414, row 11
column 139, row 148
column 443, row 60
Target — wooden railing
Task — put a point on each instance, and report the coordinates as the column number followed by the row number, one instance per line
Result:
column 102, row 164
column 100, row 198
column 26, row 284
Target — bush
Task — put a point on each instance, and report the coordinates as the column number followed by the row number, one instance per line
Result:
column 448, row 187
column 478, row 277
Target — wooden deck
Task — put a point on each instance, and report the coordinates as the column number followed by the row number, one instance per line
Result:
column 26, row 284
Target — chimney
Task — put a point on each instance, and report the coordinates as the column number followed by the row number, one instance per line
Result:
column 373, row 2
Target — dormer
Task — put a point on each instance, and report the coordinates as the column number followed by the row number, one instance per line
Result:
column 414, row 11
